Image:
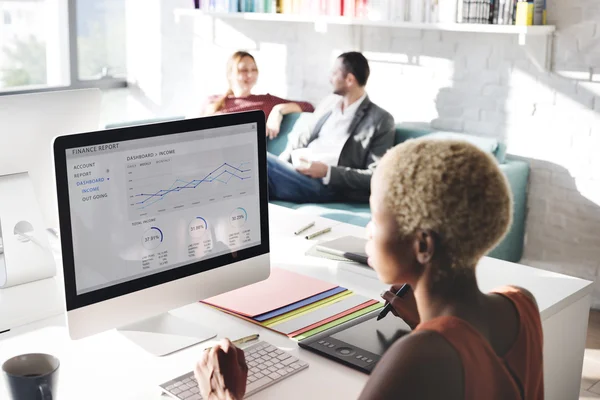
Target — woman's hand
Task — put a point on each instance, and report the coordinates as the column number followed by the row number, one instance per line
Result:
column 274, row 122
column 222, row 372
column 404, row 307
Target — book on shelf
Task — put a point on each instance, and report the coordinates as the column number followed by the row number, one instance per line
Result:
column 500, row 12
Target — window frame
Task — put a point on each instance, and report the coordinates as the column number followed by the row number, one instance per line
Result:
column 73, row 65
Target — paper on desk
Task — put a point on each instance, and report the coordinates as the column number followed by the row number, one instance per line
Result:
column 296, row 323
column 310, row 308
column 332, row 319
column 308, row 304
column 281, row 289
column 299, row 306
column 338, row 321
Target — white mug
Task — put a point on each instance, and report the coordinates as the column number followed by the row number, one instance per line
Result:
column 301, row 158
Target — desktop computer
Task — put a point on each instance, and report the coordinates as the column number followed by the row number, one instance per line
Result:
column 27, row 195
column 155, row 217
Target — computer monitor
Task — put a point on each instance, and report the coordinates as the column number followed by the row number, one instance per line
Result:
column 155, row 217
column 29, row 123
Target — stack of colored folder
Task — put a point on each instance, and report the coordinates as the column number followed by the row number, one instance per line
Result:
column 294, row 305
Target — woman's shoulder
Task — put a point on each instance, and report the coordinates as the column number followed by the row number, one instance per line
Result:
column 422, row 347
column 422, row 362
column 517, row 294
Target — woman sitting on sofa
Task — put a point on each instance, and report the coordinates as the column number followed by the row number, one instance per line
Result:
column 242, row 74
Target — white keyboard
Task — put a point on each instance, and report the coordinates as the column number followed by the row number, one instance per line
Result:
column 267, row 365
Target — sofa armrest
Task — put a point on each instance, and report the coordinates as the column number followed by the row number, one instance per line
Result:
column 291, row 125
column 517, row 174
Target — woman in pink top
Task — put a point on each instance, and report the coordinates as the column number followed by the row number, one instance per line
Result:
column 242, row 74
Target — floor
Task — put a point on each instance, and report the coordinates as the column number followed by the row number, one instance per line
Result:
column 590, row 378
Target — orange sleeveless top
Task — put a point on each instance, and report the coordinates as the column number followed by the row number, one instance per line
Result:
column 516, row 375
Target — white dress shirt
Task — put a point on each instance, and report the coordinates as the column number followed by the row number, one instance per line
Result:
column 333, row 135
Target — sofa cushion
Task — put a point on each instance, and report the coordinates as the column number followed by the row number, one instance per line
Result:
column 489, row 145
column 291, row 126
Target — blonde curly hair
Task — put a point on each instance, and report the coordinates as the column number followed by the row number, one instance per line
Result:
column 452, row 188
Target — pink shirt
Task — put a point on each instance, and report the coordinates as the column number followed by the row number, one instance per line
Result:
column 264, row 102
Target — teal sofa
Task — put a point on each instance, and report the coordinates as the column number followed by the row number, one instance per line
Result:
column 516, row 171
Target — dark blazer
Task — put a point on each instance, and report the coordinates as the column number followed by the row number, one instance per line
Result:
column 372, row 133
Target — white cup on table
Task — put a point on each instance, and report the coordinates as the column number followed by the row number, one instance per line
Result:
column 301, row 158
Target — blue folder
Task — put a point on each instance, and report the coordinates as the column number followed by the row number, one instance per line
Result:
column 298, row 304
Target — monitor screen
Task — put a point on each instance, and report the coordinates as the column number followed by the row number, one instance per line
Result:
column 144, row 206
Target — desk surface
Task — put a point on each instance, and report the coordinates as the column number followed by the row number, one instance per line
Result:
column 108, row 366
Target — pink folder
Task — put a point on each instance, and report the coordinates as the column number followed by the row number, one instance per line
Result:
column 281, row 289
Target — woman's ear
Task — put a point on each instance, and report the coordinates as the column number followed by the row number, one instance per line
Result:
column 424, row 246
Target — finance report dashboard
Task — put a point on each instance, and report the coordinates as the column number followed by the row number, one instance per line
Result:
column 144, row 206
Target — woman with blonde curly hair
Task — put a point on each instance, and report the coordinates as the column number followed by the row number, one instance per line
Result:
column 438, row 206
column 242, row 75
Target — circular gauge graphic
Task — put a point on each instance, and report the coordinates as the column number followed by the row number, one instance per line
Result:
column 238, row 217
column 198, row 227
column 152, row 238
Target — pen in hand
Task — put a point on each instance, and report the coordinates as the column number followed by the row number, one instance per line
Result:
column 388, row 307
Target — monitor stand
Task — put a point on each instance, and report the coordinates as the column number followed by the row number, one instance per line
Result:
column 25, row 254
column 165, row 334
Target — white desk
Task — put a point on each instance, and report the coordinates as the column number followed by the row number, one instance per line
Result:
column 107, row 366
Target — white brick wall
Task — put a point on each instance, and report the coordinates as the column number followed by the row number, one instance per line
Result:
column 478, row 83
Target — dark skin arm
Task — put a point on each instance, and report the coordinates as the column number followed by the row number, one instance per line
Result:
column 421, row 365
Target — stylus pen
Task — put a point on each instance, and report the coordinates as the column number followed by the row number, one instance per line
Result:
column 299, row 231
column 321, row 232
column 245, row 339
column 240, row 341
column 388, row 307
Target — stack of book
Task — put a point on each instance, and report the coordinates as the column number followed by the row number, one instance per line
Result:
column 501, row 12
column 370, row 9
column 294, row 305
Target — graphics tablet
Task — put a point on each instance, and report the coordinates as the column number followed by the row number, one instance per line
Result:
column 359, row 343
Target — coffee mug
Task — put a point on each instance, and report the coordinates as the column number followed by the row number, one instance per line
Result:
column 301, row 158
column 32, row 376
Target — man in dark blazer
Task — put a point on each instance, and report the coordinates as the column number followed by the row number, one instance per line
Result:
column 341, row 151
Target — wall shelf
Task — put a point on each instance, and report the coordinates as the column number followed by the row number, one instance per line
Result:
column 539, row 30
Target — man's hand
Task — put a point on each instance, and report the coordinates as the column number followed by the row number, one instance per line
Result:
column 222, row 372
column 274, row 122
column 404, row 307
column 316, row 169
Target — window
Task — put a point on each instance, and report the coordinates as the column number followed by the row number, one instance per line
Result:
column 101, row 39
column 61, row 44
column 30, row 33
